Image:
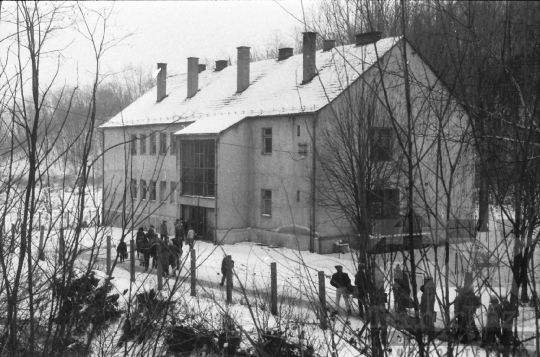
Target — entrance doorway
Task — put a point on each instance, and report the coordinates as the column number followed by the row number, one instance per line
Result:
column 196, row 217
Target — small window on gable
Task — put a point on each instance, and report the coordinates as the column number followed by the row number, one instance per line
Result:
column 266, row 202
column 298, row 130
column 267, row 140
column 381, row 144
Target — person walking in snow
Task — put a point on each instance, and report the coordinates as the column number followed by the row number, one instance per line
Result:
column 225, row 265
column 139, row 238
column 341, row 282
column 361, row 282
column 121, row 251
column 493, row 325
column 164, row 258
column 465, row 307
column 164, row 232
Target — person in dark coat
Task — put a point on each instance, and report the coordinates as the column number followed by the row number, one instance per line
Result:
column 153, row 250
column 146, row 251
column 164, row 232
column 493, row 324
column 402, row 290
column 465, row 307
column 164, row 258
column 507, row 322
column 139, row 238
column 174, row 258
column 121, row 251
column 341, row 282
column 360, row 280
column 179, row 230
column 224, row 264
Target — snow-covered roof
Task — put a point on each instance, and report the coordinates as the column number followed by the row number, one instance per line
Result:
column 275, row 88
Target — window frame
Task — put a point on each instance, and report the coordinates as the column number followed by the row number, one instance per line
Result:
column 142, row 140
column 153, row 147
column 384, row 203
column 133, row 188
column 198, row 167
column 163, row 191
column 267, row 146
column 144, row 190
column 266, row 202
column 173, row 145
column 133, row 144
column 382, row 144
column 173, row 192
column 163, row 144
column 152, row 187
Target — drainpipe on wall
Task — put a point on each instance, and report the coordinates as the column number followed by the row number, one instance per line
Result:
column 100, row 221
column 313, row 177
column 216, row 192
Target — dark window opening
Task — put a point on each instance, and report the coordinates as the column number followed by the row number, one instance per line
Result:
column 267, row 140
column 266, row 198
column 381, row 145
column 133, row 144
column 198, row 168
column 383, row 204
column 163, row 144
column 153, row 144
column 143, row 144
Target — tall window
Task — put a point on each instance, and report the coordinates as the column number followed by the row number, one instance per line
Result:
column 172, row 195
column 152, row 190
column 163, row 191
column 143, row 144
column 267, row 140
column 133, row 144
column 153, row 144
column 163, row 143
column 384, row 204
column 133, row 189
column 266, row 202
column 143, row 190
column 198, row 168
column 173, row 144
column 381, row 144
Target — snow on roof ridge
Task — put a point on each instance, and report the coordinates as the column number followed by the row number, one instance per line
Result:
column 275, row 87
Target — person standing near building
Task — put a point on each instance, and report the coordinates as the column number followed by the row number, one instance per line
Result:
column 341, row 282
column 225, row 265
column 179, row 230
column 493, row 326
column 465, row 307
column 139, row 240
column 361, row 283
column 164, row 232
column 190, row 238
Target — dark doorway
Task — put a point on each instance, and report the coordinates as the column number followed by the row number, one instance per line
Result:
column 196, row 217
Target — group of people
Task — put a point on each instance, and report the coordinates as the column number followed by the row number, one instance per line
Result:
column 162, row 250
column 371, row 306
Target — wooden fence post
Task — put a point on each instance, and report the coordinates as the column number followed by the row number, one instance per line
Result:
column 273, row 289
column 61, row 247
column 193, row 273
column 109, row 255
column 159, row 268
column 322, row 301
column 41, row 254
column 132, row 260
column 229, row 278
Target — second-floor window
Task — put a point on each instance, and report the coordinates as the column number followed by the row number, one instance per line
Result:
column 266, row 202
column 198, row 167
column 153, row 144
column 384, row 204
column 152, row 190
column 133, row 189
column 163, row 191
column 142, row 139
column 173, row 145
column 143, row 190
column 133, row 144
column 163, row 144
column 381, row 144
column 267, row 140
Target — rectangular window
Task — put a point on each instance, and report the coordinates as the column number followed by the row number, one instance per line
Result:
column 143, row 190
column 384, row 204
column 162, row 143
column 297, row 196
column 152, row 143
column 298, row 130
column 152, row 190
column 143, row 144
column 266, row 199
column 163, row 191
column 302, row 149
column 133, row 144
column 198, row 168
column 267, row 140
column 133, row 189
column 172, row 196
column 381, row 144
column 173, row 145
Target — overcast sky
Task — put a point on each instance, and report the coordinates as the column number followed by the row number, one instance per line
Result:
column 171, row 31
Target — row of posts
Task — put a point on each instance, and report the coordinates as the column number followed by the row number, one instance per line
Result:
column 229, row 273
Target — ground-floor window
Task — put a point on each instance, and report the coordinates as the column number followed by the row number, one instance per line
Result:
column 133, row 189
column 143, row 190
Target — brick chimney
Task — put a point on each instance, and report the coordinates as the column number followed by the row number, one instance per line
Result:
column 284, row 53
column 202, row 68
column 242, row 68
column 161, row 82
column 328, row 45
column 221, row 64
column 192, row 76
column 367, row 38
column 308, row 49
